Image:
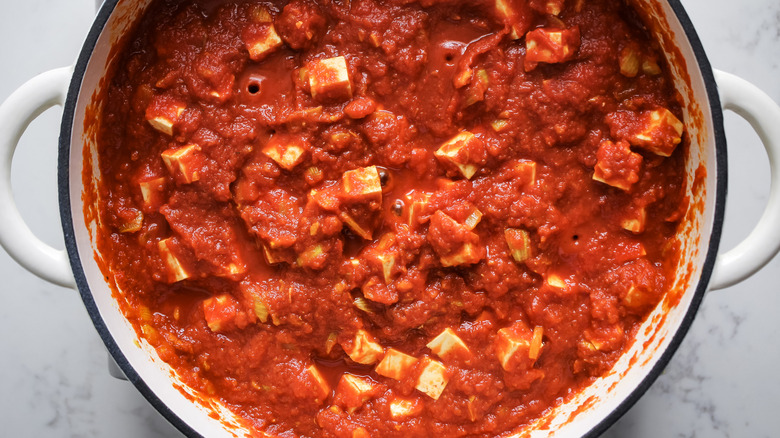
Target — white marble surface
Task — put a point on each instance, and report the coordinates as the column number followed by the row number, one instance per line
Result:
column 723, row 381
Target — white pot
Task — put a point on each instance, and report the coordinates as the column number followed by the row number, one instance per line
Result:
column 596, row 408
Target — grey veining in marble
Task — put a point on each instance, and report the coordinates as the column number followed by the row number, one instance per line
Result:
column 723, row 382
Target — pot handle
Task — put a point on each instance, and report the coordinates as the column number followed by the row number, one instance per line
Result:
column 763, row 243
column 16, row 113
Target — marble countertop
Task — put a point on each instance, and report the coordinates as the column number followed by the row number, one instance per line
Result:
column 723, row 381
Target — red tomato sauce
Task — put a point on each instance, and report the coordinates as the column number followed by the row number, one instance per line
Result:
column 390, row 218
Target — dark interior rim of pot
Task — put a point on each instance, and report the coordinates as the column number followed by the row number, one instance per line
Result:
column 66, row 216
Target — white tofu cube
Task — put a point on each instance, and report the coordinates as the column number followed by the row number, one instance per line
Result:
column 401, row 408
column 152, row 193
column 617, row 165
column 353, row 391
column 362, row 185
column 635, row 223
column 433, row 378
column 513, row 343
column 525, row 170
column 550, row 45
column 173, row 263
column 661, row 133
column 183, row 162
column 364, row 348
column 286, row 151
column 329, row 79
column 163, row 116
column 220, row 312
column 449, row 344
column 359, row 229
column 262, row 43
column 396, row 365
column 508, row 11
column 461, row 152
column 319, row 384
column 418, row 202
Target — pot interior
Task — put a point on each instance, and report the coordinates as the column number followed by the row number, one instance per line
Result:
column 590, row 412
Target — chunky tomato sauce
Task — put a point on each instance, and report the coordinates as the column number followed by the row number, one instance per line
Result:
column 390, row 218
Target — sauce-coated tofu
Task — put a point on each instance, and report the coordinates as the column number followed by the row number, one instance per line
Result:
column 353, row 391
column 518, row 347
column 661, row 132
column 617, row 165
column 464, row 152
column 329, row 79
column 364, row 348
column 362, row 185
column 262, row 41
column 163, row 114
column 433, row 378
column 318, row 383
column 401, row 408
column 172, row 261
column 396, row 365
column 220, row 312
column 449, row 344
column 287, row 151
column 183, row 162
column 516, row 15
column 551, row 46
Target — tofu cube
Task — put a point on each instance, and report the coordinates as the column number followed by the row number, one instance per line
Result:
column 448, row 344
column 552, row 7
column 317, row 383
column 551, row 46
column 396, row 365
column 516, row 15
column 519, row 242
column 638, row 297
column 220, row 312
column 362, row 185
column 329, row 79
column 287, row 151
column 617, row 165
column 360, row 229
column 525, row 171
column 464, row 152
column 171, row 257
column 184, row 162
column 162, row 114
column 433, row 378
column 661, row 131
column 262, row 41
column 513, row 345
column 152, row 193
column 629, row 61
column 364, row 349
column 353, row 391
column 636, row 222
column 134, row 225
column 313, row 257
column 401, row 408
column 418, row 203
